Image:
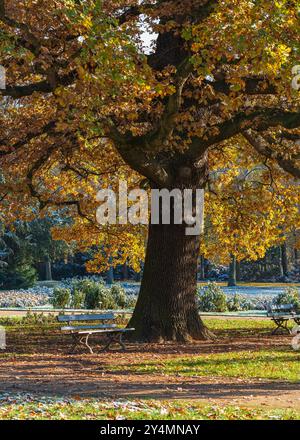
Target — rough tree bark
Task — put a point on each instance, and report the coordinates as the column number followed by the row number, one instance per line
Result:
column 166, row 309
column 202, row 268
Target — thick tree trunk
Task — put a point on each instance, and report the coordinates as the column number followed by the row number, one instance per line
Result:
column 166, row 309
column 202, row 268
column 232, row 272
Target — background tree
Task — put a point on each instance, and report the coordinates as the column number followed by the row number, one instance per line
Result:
column 44, row 248
column 15, row 246
column 24, row 246
column 86, row 105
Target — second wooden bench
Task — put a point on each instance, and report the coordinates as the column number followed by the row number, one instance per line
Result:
column 81, row 327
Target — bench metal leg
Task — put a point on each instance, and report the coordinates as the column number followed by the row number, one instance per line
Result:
column 83, row 340
column 121, row 341
column 114, row 338
column 281, row 323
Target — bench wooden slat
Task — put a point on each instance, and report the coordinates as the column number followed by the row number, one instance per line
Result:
column 116, row 330
column 281, row 315
column 86, row 327
column 87, row 317
column 282, row 311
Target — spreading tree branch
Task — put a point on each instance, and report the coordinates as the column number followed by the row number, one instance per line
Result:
column 259, row 119
column 44, row 86
column 262, row 147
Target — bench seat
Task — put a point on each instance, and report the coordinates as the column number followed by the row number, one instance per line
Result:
column 89, row 327
column 116, row 330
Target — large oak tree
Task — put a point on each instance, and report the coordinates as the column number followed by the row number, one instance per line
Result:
column 86, row 103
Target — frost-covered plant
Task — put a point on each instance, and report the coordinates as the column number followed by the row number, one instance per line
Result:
column 212, row 299
column 74, row 281
column 237, row 303
column 15, row 298
column 92, row 293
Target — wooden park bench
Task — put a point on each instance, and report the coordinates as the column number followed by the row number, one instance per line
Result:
column 281, row 316
column 81, row 327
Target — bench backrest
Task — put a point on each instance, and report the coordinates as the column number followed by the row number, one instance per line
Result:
column 86, row 317
column 283, row 308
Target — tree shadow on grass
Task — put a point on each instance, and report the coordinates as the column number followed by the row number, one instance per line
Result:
column 103, row 388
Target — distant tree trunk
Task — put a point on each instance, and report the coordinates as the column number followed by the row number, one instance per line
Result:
column 48, row 269
column 238, row 271
column 125, row 271
column 110, row 275
column 283, row 260
column 232, row 272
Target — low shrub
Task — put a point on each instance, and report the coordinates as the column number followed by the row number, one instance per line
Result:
column 78, row 299
column 212, row 299
column 238, row 303
column 118, row 293
column 91, row 292
column 96, row 295
column 37, row 319
column 80, row 280
column 61, row 297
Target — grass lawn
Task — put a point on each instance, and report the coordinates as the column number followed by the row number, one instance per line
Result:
column 254, row 284
column 244, row 350
column 282, row 363
column 264, row 364
column 25, row 407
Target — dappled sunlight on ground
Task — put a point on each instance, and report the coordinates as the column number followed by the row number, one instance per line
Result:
column 37, row 361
